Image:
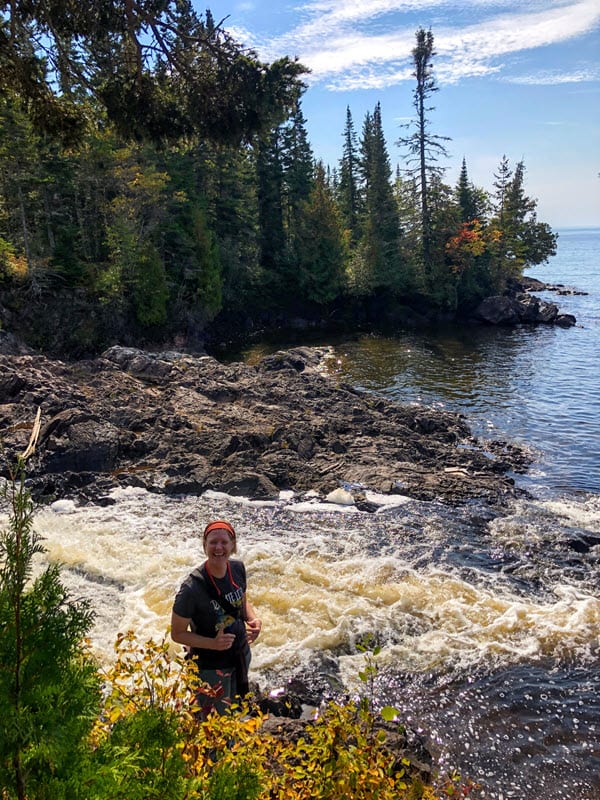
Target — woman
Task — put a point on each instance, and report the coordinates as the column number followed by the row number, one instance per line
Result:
column 214, row 620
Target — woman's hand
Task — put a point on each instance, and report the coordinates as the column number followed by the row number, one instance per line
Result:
column 253, row 627
column 223, row 641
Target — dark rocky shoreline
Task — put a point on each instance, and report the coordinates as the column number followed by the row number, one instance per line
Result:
column 181, row 424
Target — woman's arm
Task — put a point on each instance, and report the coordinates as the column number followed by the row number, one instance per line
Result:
column 181, row 633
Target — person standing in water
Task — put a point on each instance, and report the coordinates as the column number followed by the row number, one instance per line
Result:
column 214, row 620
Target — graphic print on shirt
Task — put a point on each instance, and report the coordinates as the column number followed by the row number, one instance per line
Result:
column 235, row 597
column 223, row 620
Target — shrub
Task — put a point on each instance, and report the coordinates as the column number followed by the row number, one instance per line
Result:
column 49, row 685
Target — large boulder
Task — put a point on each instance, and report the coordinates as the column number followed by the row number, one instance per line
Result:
column 77, row 441
column 497, row 310
column 519, row 308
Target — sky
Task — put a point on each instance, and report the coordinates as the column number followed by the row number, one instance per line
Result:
column 518, row 79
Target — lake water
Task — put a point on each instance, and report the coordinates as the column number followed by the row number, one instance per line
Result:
column 489, row 623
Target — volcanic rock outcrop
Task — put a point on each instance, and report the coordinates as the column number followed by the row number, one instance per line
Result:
column 178, row 424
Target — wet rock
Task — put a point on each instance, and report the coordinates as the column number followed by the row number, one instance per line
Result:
column 77, row 441
column 281, row 705
column 565, row 320
column 179, row 424
column 519, row 308
column 252, row 485
column 583, row 542
column 497, row 310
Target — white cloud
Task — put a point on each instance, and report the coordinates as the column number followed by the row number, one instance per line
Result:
column 553, row 78
column 342, row 43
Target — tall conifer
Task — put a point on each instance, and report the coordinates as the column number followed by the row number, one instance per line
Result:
column 380, row 224
column 348, row 182
column 423, row 147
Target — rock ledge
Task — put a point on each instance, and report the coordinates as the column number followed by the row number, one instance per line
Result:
column 181, row 424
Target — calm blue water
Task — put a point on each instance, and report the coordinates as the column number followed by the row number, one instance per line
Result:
column 538, row 386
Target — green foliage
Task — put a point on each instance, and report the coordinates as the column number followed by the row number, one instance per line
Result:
column 233, row 782
column 140, row 759
column 149, row 287
column 322, row 245
column 379, row 242
column 521, row 240
column 208, row 265
column 269, row 174
column 49, row 688
column 160, row 71
column 348, row 190
column 229, row 215
column 12, row 267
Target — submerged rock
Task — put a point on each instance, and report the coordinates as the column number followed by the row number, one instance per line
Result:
column 180, row 424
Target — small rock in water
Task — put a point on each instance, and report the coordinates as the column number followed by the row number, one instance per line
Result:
column 340, row 497
column 64, row 507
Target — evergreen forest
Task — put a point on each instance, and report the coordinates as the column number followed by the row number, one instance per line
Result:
column 157, row 184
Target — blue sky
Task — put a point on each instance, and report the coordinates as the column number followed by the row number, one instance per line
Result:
column 520, row 79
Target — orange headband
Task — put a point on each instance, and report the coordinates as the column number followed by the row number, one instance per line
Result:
column 217, row 525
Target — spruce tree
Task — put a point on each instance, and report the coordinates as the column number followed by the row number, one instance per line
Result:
column 524, row 240
column 501, row 184
column 298, row 180
column 272, row 240
column 380, row 224
column 423, row 147
column 49, row 691
column 234, row 210
column 466, row 196
column 323, row 244
column 348, row 182
column 298, row 166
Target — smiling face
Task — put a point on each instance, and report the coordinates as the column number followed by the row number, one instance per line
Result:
column 219, row 546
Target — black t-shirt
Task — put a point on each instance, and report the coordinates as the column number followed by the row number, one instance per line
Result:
column 211, row 606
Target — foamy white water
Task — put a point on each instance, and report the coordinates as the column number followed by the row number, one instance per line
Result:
column 322, row 579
